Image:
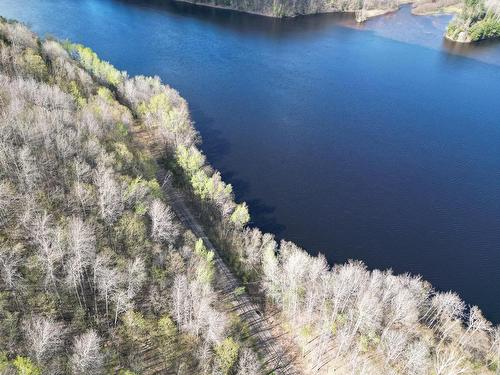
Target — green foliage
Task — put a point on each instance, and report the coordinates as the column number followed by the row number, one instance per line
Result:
column 91, row 62
column 75, row 91
column 9, row 322
column 34, row 64
column 148, row 167
column 121, row 131
column 475, row 22
column 167, row 339
column 166, row 326
column 123, row 156
column 239, row 328
column 126, row 372
column 240, row 216
column 83, row 276
column 199, row 182
column 206, row 270
column 494, row 365
column 132, row 231
column 472, row 3
column 25, row 366
column 278, row 9
column 155, row 188
column 339, row 321
column 453, row 29
column 79, row 318
column 190, row 160
column 239, row 291
column 200, row 248
column 227, row 354
column 105, row 93
column 488, row 28
column 44, row 303
column 306, row 331
column 210, row 187
column 158, row 104
column 139, row 186
column 4, row 362
column 135, row 325
column 369, row 341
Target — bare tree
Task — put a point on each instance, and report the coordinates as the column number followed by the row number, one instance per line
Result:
column 450, row 360
column 29, row 171
column 163, row 228
column 106, row 278
column 476, row 336
column 44, row 337
column 417, row 358
column 495, row 348
column 18, row 34
column 7, row 200
column 216, row 325
column 9, row 268
column 393, row 345
column 87, row 357
column 248, row 363
column 136, row 275
column 122, row 302
column 110, row 198
column 49, row 244
column 82, row 252
column 181, row 304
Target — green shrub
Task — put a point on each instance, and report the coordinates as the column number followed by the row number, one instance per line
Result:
column 75, row 91
column 25, row 366
column 90, row 61
column 34, row 64
column 240, row 216
column 488, row 28
column 4, row 363
column 206, row 270
column 131, row 230
column 227, row 354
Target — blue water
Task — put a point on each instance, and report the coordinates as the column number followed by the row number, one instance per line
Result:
column 376, row 144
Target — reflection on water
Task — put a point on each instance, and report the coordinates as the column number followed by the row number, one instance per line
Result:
column 486, row 50
column 428, row 31
column 402, row 26
column 248, row 23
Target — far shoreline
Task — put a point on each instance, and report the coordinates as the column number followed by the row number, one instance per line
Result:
column 369, row 13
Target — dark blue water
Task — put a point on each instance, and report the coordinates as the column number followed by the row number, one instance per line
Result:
column 345, row 141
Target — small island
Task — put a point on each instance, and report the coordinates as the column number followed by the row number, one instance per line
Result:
column 478, row 20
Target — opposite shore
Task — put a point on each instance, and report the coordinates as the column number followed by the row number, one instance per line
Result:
column 473, row 20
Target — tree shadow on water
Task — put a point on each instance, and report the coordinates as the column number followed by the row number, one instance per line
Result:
column 262, row 217
column 214, row 145
column 244, row 23
column 261, row 214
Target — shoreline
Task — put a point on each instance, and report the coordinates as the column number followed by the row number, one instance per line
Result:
column 369, row 13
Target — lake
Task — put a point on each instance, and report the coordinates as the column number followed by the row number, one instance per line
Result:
column 378, row 142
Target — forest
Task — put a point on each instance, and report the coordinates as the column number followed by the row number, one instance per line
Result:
column 99, row 274
column 363, row 9
column 478, row 20
column 474, row 19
